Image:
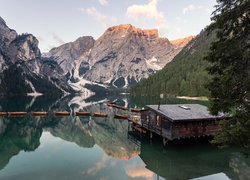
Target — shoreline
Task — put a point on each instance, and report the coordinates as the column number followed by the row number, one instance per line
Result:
column 201, row 98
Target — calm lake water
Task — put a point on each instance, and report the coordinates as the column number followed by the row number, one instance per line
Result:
column 102, row 148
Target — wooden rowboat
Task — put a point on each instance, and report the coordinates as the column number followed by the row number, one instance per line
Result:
column 135, row 110
column 123, row 108
column 110, row 105
column 121, row 116
column 39, row 113
column 17, row 113
column 111, row 102
column 3, row 113
column 83, row 114
column 120, row 107
column 62, row 113
column 99, row 114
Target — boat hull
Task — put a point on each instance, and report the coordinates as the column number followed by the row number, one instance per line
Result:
column 39, row 113
column 62, row 113
column 83, row 113
column 17, row 113
column 97, row 114
column 121, row 116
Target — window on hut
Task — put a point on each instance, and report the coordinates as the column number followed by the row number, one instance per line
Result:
column 152, row 118
column 158, row 120
column 166, row 124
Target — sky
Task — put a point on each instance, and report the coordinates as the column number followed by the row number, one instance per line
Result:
column 55, row 22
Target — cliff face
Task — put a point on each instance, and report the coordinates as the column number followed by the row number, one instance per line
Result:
column 7, row 35
column 71, row 55
column 124, row 55
column 24, row 47
column 22, row 70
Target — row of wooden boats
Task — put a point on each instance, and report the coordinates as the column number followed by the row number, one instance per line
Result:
column 64, row 113
column 59, row 113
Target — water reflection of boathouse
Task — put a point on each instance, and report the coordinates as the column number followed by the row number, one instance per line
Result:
column 190, row 161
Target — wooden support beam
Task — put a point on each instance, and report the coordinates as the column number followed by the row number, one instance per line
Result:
column 165, row 140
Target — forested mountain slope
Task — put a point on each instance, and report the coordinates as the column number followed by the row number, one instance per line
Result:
column 185, row 75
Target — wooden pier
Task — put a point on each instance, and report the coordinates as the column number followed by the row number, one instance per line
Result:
column 177, row 121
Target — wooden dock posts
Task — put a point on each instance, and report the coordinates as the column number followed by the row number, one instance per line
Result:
column 165, row 141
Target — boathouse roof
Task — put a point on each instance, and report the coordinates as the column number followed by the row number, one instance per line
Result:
column 185, row 112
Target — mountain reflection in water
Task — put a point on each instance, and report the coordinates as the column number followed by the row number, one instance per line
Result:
column 100, row 148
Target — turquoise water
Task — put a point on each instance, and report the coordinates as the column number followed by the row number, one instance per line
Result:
column 102, row 148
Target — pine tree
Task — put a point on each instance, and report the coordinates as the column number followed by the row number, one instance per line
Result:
column 230, row 70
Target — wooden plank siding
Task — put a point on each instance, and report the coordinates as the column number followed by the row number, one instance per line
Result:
column 156, row 123
column 194, row 129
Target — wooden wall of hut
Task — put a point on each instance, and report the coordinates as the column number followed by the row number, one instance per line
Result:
column 157, row 123
column 194, row 128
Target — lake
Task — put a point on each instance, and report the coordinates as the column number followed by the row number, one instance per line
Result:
column 102, row 148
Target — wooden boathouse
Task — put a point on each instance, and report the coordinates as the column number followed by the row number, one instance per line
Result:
column 177, row 121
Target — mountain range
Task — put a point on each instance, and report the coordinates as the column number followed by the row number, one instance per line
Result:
column 121, row 57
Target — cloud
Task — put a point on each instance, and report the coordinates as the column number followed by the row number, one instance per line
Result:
column 99, row 165
column 148, row 11
column 98, row 16
column 138, row 171
column 103, row 2
column 57, row 39
column 189, row 8
column 192, row 7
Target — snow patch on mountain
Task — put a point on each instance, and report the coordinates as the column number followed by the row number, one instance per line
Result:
column 34, row 93
column 79, row 87
column 81, row 103
column 153, row 64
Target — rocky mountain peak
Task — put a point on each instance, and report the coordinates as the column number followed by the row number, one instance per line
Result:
column 21, row 64
column 125, row 54
column 28, row 47
column 7, row 35
column 2, row 22
column 182, row 41
column 24, row 47
column 128, row 29
column 73, row 54
column 120, row 57
column 122, row 27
